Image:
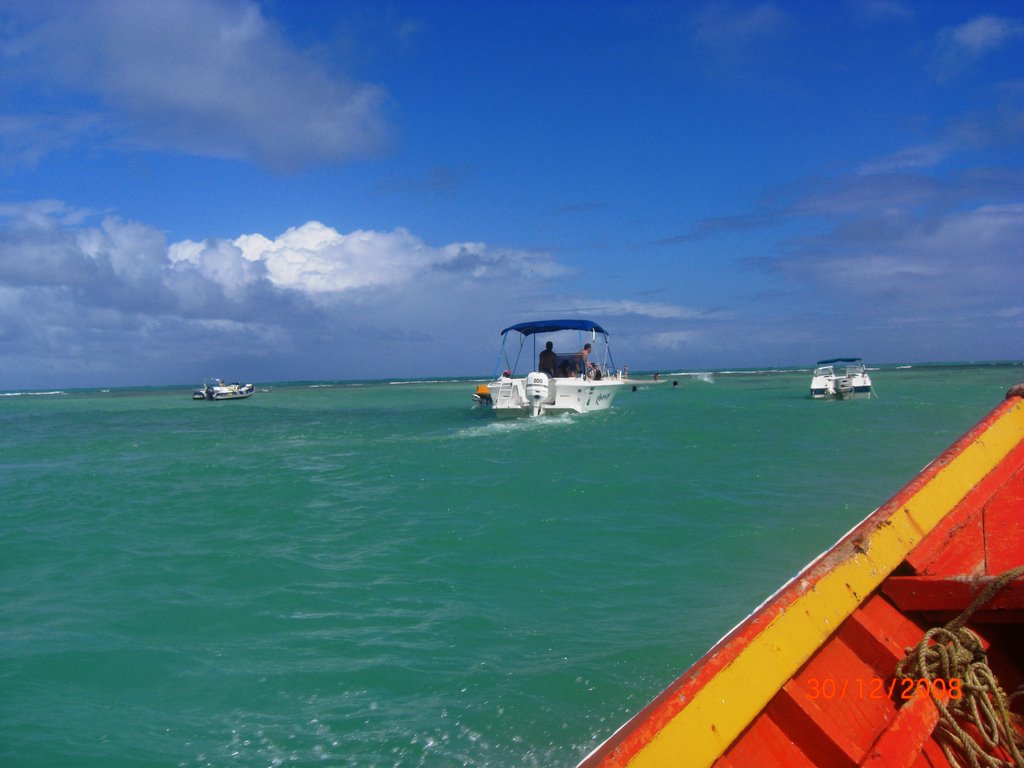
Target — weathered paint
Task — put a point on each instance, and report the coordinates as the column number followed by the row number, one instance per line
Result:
column 701, row 714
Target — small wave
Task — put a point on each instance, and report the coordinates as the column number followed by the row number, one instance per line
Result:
column 32, row 394
column 427, row 381
column 761, row 371
column 706, row 376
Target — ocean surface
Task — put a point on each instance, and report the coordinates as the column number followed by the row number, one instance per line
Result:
column 375, row 574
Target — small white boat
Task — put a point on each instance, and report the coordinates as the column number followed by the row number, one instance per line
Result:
column 840, row 378
column 215, row 389
column 558, row 381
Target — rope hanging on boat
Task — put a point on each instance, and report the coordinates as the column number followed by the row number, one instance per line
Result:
column 953, row 652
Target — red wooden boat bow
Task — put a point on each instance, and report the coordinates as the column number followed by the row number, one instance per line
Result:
column 816, row 676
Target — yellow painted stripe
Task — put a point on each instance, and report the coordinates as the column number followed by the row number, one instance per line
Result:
column 719, row 712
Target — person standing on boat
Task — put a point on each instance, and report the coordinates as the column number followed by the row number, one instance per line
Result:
column 548, row 360
column 584, row 354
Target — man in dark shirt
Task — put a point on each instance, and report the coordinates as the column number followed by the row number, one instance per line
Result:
column 548, row 360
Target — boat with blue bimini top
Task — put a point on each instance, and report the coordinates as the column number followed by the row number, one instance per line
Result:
column 215, row 389
column 557, row 381
column 840, row 378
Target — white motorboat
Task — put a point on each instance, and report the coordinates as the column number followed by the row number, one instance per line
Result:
column 215, row 389
column 557, row 381
column 840, row 378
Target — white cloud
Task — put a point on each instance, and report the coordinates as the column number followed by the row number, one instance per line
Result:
column 96, row 302
column 655, row 310
column 958, row 47
column 306, row 299
column 208, row 77
column 317, row 259
column 964, row 259
column 924, row 156
column 43, row 243
column 986, row 33
column 218, row 261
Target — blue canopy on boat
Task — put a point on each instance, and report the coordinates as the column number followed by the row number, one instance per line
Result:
column 550, row 326
column 840, row 360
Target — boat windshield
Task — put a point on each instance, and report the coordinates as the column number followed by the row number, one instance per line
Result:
column 851, row 366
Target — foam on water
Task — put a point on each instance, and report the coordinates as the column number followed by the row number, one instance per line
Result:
column 32, row 394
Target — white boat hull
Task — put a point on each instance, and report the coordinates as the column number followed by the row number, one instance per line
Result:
column 841, row 387
column 538, row 394
column 221, row 391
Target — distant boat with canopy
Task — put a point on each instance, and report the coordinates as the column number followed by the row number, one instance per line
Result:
column 554, row 381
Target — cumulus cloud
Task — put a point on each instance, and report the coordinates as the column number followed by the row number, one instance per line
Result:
column 315, row 259
column 208, row 77
column 307, row 297
column 97, row 299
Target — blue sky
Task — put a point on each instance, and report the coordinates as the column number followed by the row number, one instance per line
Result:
column 286, row 190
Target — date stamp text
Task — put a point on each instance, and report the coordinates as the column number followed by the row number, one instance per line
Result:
column 899, row 688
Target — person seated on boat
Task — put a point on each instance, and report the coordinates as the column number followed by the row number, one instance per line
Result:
column 548, row 360
column 593, row 372
column 565, row 369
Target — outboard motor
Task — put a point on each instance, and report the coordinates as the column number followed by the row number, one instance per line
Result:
column 843, row 387
column 537, row 390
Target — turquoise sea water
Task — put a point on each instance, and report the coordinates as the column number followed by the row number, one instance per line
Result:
column 374, row 574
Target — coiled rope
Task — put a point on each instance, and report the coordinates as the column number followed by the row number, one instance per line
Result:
column 953, row 652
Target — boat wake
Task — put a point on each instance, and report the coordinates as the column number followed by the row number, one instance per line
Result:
column 510, row 426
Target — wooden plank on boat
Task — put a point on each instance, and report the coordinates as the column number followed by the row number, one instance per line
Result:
column 953, row 595
column 901, row 744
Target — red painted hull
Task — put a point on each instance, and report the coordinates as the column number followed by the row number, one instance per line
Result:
column 916, row 563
